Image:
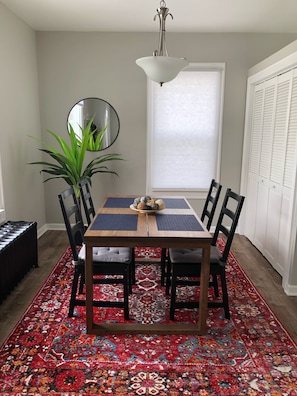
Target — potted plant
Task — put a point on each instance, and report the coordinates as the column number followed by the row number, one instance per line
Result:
column 70, row 158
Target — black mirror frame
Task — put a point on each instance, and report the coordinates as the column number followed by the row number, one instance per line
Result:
column 116, row 117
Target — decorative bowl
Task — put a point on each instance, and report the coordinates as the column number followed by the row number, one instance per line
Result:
column 149, row 211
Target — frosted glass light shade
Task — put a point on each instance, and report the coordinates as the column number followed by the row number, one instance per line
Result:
column 162, row 68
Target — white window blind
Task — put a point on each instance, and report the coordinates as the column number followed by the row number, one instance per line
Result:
column 185, row 130
column 75, row 118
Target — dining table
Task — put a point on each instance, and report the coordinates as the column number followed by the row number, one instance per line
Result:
column 117, row 223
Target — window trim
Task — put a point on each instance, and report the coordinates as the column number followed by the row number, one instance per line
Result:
column 189, row 193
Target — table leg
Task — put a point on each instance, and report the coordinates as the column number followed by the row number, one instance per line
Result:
column 204, row 280
column 89, row 287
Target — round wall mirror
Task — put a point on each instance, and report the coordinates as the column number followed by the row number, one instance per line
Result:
column 106, row 123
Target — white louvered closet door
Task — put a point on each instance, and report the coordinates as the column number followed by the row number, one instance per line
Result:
column 254, row 159
column 276, row 176
column 272, row 167
column 290, row 166
column 266, row 141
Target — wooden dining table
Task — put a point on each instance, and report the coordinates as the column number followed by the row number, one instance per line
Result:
column 116, row 224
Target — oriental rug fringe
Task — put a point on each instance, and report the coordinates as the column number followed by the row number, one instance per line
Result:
column 50, row 354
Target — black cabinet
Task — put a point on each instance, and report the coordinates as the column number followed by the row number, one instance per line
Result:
column 18, row 253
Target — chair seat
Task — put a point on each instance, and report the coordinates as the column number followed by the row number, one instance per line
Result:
column 108, row 254
column 180, row 256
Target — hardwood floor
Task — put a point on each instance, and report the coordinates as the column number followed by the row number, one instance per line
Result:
column 50, row 248
column 53, row 243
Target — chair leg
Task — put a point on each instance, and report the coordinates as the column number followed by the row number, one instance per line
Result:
column 131, row 271
column 225, row 294
column 73, row 292
column 131, row 274
column 168, row 277
column 163, row 266
column 81, row 283
column 173, row 294
column 133, row 279
column 127, row 284
column 215, row 285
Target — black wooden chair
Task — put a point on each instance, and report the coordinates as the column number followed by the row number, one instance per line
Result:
column 211, row 203
column 208, row 212
column 107, row 261
column 87, row 202
column 185, row 264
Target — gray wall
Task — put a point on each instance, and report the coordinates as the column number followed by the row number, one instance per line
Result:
column 20, row 117
column 77, row 65
column 72, row 66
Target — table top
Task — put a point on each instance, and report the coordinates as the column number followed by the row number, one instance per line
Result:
column 117, row 224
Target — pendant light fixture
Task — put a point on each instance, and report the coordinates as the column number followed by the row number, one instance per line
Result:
column 160, row 67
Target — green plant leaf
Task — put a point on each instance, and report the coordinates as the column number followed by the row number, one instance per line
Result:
column 69, row 158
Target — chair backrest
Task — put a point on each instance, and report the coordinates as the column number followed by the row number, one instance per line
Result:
column 86, row 199
column 73, row 220
column 228, row 219
column 211, row 202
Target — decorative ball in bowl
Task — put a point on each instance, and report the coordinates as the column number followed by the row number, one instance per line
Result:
column 146, row 204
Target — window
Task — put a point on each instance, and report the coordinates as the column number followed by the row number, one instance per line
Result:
column 75, row 118
column 184, row 131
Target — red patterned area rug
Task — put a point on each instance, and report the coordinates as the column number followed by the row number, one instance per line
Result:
column 51, row 354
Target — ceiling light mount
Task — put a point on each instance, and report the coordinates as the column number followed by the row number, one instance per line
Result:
column 160, row 67
column 162, row 13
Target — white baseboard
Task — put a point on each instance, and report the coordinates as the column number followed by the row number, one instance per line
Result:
column 291, row 290
column 41, row 231
column 2, row 216
column 56, row 227
column 46, row 227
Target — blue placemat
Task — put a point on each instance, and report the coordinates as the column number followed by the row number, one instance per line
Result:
column 118, row 202
column 170, row 222
column 125, row 222
column 175, row 203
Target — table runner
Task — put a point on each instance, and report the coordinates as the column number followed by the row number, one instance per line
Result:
column 125, row 202
column 170, row 222
column 125, row 222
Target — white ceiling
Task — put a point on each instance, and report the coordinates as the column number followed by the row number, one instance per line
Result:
column 271, row 16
